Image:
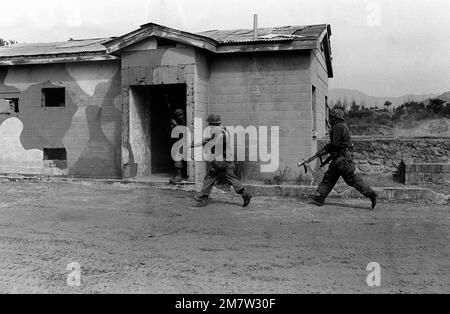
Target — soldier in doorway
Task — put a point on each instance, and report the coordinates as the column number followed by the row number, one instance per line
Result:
column 217, row 168
column 178, row 120
column 342, row 165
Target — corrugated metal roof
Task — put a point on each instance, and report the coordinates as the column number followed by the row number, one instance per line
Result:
column 239, row 36
column 56, row 48
column 285, row 33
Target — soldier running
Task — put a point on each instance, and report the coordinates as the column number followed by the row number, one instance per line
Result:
column 343, row 165
column 217, row 168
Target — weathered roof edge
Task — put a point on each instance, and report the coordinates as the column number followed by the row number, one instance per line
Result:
column 56, row 58
column 152, row 29
column 325, row 38
column 208, row 43
column 328, row 52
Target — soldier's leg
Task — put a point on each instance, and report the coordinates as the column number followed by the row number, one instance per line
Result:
column 233, row 179
column 329, row 181
column 356, row 182
column 237, row 183
column 179, row 167
column 208, row 184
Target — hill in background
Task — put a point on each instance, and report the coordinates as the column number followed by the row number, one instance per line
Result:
column 412, row 116
column 445, row 97
column 347, row 96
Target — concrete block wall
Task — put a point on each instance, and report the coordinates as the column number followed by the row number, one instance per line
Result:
column 266, row 89
column 88, row 127
column 427, row 173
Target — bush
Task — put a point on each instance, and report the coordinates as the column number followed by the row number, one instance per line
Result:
column 436, row 106
column 446, row 111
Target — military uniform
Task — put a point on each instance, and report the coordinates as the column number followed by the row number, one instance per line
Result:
column 342, row 165
column 218, row 168
column 178, row 165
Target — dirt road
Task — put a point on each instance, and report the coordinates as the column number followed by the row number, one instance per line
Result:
column 145, row 240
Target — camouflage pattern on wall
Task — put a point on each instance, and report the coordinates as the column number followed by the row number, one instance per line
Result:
column 88, row 126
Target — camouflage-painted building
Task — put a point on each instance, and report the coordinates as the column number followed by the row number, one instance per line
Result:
column 96, row 108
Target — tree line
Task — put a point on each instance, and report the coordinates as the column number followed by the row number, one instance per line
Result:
column 7, row 42
column 358, row 114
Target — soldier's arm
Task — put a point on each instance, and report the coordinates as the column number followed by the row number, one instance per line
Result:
column 173, row 123
column 336, row 140
column 206, row 140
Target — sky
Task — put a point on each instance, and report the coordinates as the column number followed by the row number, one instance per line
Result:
column 381, row 47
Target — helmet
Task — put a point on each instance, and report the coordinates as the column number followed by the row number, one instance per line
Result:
column 179, row 112
column 338, row 114
column 214, row 119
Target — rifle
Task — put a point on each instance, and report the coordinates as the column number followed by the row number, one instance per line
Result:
column 169, row 107
column 319, row 155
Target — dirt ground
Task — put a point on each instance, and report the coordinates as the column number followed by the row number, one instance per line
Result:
column 146, row 240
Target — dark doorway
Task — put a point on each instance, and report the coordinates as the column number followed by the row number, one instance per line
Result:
column 150, row 126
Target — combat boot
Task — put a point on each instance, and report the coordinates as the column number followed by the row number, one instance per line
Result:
column 373, row 198
column 318, row 200
column 202, row 199
column 247, row 198
column 178, row 178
